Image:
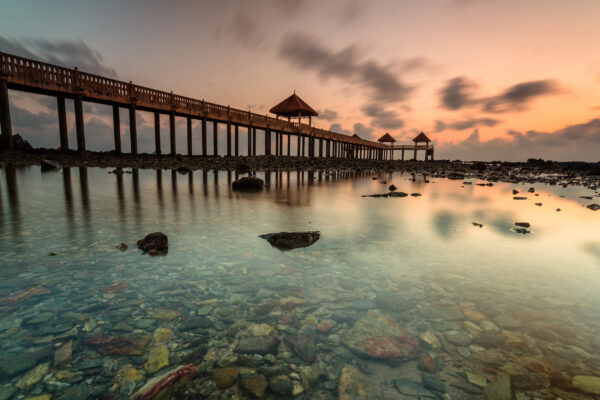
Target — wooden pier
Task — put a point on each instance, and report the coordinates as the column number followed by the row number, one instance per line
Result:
column 22, row 74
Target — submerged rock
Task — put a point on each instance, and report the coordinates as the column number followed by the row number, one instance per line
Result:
column 379, row 337
column 523, row 224
column 24, row 295
column 48, row 165
column 392, row 188
column 258, row 345
column 354, row 385
column 587, row 384
column 248, row 184
column 594, row 207
column 225, row 377
column 291, row 240
column 163, row 386
column 254, row 384
column 154, row 243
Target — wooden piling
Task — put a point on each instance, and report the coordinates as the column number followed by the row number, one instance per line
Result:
column 157, row 149
column 132, row 129
column 204, row 149
column 215, row 139
column 5, row 124
column 189, row 136
column 172, row 132
column 79, row 126
column 62, row 123
column 237, row 140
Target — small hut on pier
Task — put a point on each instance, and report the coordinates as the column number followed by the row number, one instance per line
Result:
column 422, row 138
column 294, row 107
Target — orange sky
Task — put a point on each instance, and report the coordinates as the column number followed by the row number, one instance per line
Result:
column 395, row 57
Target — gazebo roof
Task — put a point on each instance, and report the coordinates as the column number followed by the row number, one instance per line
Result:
column 386, row 138
column 356, row 136
column 292, row 106
column 421, row 137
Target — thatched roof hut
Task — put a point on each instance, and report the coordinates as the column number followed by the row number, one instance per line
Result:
column 387, row 138
column 421, row 137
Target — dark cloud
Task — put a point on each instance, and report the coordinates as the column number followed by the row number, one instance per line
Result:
column 68, row 53
column 383, row 118
column 350, row 11
column 306, row 52
column 516, row 97
column 365, row 132
column 414, row 63
column 458, row 93
column 327, row 114
column 338, row 129
column 465, row 124
column 245, row 30
column 579, row 142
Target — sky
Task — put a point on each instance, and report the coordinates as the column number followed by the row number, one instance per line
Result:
column 484, row 79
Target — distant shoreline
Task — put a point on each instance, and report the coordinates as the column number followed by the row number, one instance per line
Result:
column 574, row 172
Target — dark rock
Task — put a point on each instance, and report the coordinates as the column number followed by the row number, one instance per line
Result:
column 467, row 387
column 13, row 364
column 523, row 224
column 594, row 207
column 258, row 345
column 529, row 381
column 499, row 390
column 398, row 194
column 415, row 194
column 291, row 240
column 281, row 384
column 154, row 243
column 455, row 175
column 522, row 231
column 393, row 302
column 255, row 384
column 411, row 388
column 226, row 377
column 303, row 346
column 433, row 382
column 392, row 188
column 477, row 224
column 183, row 170
column 515, row 191
column 489, row 339
column 48, row 165
column 195, row 323
column 519, row 198
column 248, row 184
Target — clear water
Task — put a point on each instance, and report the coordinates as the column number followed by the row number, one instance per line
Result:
column 423, row 249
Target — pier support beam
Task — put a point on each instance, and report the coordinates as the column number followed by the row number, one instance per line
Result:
column 320, row 147
column 215, row 140
column 415, row 156
column 62, row 124
column 237, row 140
column 228, row 139
column 116, row 127
column 157, row 149
column 289, row 143
column 299, row 145
column 249, row 140
column 267, row 142
column 172, row 132
column 189, row 136
column 204, row 150
column 132, row 129
column 79, row 126
column 5, row 124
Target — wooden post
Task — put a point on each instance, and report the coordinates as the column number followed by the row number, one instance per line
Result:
column 5, row 124
column 254, row 141
column 403, row 153
column 415, row 156
column 157, row 132
column 189, row 136
column 116, row 126
column 228, row 139
column 249, row 140
column 280, row 143
column 204, row 150
column 267, row 142
column 79, row 126
column 215, row 140
column 299, row 145
column 303, row 146
column 172, row 132
column 320, row 147
column 62, row 125
column 289, row 142
column 237, row 140
column 132, row 129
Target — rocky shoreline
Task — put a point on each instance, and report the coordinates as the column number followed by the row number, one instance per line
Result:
column 551, row 172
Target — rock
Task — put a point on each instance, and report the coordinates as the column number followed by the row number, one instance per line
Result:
column 392, row 188
column 538, row 204
column 164, row 385
column 499, row 390
column 33, row 376
column 165, row 315
column 449, row 312
column 353, row 385
column 428, row 363
column 310, row 376
column 505, row 321
column 515, row 191
column 431, row 339
column 127, row 379
column 116, row 345
column 259, row 329
column 519, row 198
column 258, row 345
column 476, row 380
column 398, row 194
column 587, row 384
column 154, row 243
column 281, row 384
column 415, row 194
column 477, row 224
column 48, row 165
column 459, row 338
column 40, row 397
column 122, row 246
column 433, row 382
column 196, row 323
column 379, row 337
column 303, row 346
column 523, row 224
column 225, row 377
column 13, row 364
column 393, row 302
column 24, row 295
column 6, row 392
column 62, row 356
column 411, row 388
column 162, row 335
column 255, row 384
column 594, row 207
column 489, row 339
column 529, row 381
column 158, row 358
column 248, row 184
column 117, row 287
column 21, row 144
column 291, row 240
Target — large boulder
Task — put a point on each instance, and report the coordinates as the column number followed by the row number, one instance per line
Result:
column 291, row 240
column 248, row 184
column 154, row 243
column 21, row 144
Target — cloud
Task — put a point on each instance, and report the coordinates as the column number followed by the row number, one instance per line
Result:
column 365, row 132
column 574, row 142
column 327, row 114
column 516, row 97
column 350, row 12
column 338, row 129
column 244, row 29
column 68, row 53
column 459, row 92
column 349, row 64
column 465, row 124
column 382, row 118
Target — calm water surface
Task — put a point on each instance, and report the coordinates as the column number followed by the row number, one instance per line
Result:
column 487, row 301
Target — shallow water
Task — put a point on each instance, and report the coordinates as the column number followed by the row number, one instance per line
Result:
column 417, row 260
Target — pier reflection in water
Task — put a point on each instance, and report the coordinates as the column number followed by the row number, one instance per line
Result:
column 418, row 260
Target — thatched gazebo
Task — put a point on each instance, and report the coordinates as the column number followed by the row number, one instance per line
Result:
column 294, row 107
column 421, row 138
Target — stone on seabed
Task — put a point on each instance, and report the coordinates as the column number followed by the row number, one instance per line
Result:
column 587, row 384
column 248, row 184
column 154, row 243
column 161, row 387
